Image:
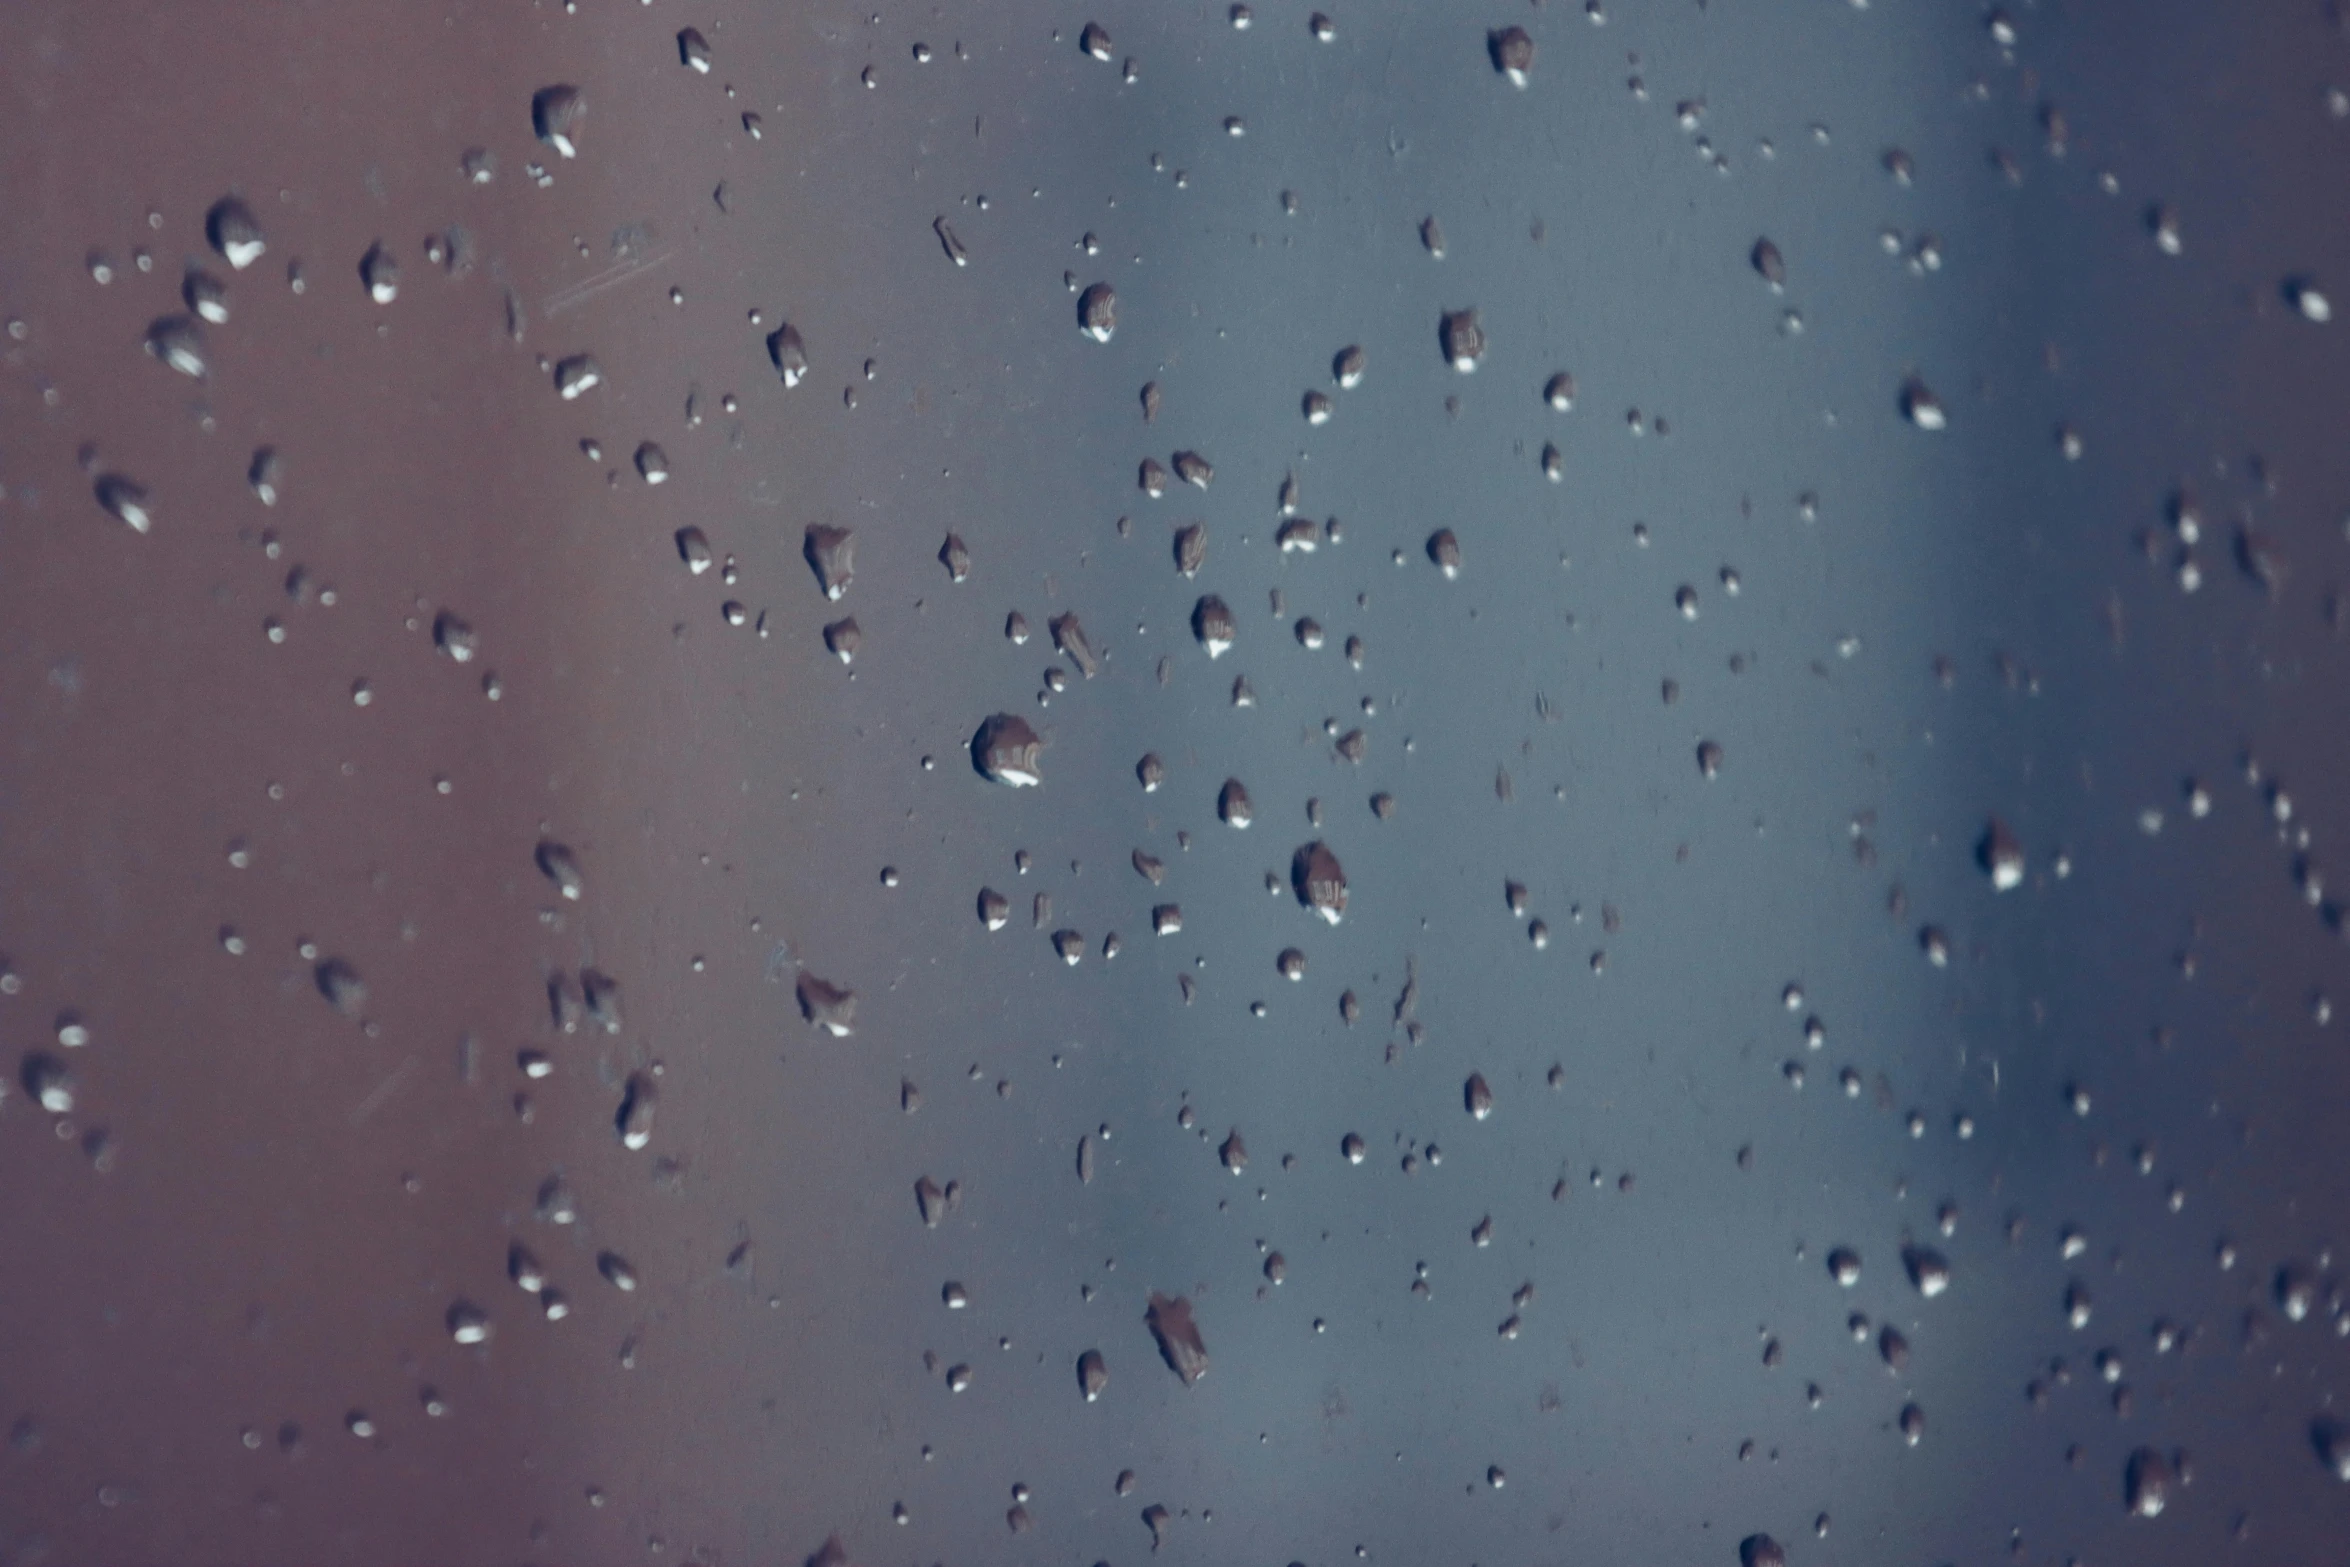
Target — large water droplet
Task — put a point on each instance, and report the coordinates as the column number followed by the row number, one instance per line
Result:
column 233, row 231
column 1007, row 750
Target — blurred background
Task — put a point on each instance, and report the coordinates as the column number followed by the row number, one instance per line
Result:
column 1790, row 554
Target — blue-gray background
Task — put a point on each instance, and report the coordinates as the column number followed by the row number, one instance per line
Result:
column 258, row 1213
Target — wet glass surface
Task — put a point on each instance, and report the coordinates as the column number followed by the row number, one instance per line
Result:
column 1221, row 783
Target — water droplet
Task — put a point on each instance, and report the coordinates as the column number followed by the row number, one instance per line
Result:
column 1477, row 1096
column 1232, row 804
column 1170, row 1322
column 1095, row 41
column 1069, row 637
column 2303, row 296
column 468, row 1323
column 125, row 500
column 1006, row 750
column 1444, row 550
column 1929, row 1270
column 2001, row 855
column 1513, row 54
column 842, row 638
column 1348, row 366
column 1213, row 625
column 1921, row 407
column 693, row 50
column 1191, row 548
column 951, row 242
column 555, row 113
column 179, row 342
column 788, row 353
column 832, row 554
column 379, row 273
column 233, row 231
column 1462, row 339
column 2146, row 1483
column 1760, row 1550
column 638, row 1101
column 1097, row 312
column 828, row 1007
column 50, row 1084
column 577, row 374
column 1319, row 881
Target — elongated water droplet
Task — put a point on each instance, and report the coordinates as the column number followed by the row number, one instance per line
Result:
column 555, row 113
column 125, row 500
column 788, row 353
column 1097, row 312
